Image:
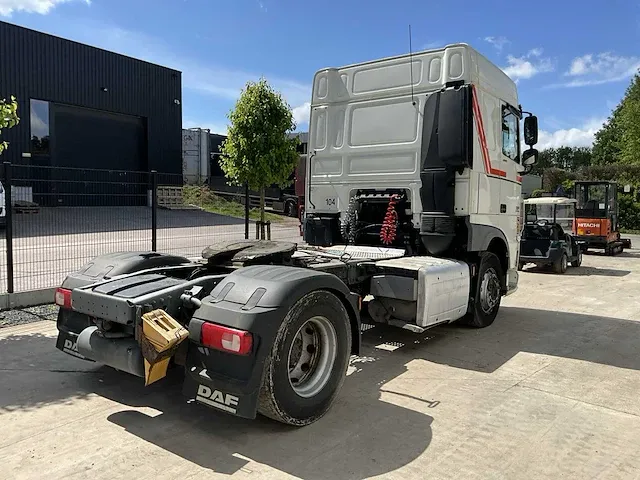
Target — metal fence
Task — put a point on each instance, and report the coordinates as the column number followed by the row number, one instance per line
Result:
column 57, row 219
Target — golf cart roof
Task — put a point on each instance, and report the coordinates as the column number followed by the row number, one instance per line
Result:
column 550, row 201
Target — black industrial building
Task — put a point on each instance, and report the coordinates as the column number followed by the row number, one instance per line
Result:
column 87, row 108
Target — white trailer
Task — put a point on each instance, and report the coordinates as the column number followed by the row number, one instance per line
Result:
column 196, row 153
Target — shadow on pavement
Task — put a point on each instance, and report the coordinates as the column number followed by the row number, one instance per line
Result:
column 581, row 271
column 33, row 374
column 353, row 441
column 624, row 254
column 602, row 340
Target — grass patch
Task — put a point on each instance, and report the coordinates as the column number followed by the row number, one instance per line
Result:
column 208, row 201
column 630, row 231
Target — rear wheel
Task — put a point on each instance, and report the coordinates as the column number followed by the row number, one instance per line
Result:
column 561, row 265
column 308, row 361
column 578, row 261
column 290, row 209
column 487, row 294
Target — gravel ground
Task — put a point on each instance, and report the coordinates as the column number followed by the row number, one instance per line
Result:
column 22, row 316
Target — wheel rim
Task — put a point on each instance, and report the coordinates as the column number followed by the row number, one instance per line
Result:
column 564, row 262
column 489, row 290
column 312, row 356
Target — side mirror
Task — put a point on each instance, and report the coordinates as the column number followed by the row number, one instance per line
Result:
column 531, row 130
column 529, row 157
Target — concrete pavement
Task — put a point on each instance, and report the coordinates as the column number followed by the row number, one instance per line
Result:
column 548, row 391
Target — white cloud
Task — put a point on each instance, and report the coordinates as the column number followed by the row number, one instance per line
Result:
column 582, row 136
column 528, row 65
column 599, row 69
column 498, row 42
column 536, row 52
column 301, row 113
column 7, row 7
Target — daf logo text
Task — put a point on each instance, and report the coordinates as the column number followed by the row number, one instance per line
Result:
column 71, row 348
column 217, row 399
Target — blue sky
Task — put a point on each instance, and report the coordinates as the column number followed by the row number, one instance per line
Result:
column 572, row 59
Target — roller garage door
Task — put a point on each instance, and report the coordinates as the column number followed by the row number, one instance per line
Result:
column 88, row 139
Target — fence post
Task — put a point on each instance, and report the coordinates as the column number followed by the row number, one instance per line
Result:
column 154, row 210
column 246, row 211
column 6, row 182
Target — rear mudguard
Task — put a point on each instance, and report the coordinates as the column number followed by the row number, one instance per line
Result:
column 255, row 299
column 113, row 264
column 102, row 267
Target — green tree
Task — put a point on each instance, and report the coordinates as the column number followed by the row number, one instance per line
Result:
column 606, row 145
column 8, row 118
column 630, row 126
column 619, row 139
column 566, row 158
column 257, row 149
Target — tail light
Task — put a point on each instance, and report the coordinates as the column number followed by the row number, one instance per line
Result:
column 63, row 298
column 226, row 339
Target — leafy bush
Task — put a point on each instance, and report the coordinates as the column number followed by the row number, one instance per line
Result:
column 629, row 212
column 538, row 192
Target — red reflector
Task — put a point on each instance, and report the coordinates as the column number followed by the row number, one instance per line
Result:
column 226, row 339
column 63, row 298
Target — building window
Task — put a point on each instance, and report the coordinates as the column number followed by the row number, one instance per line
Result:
column 509, row 133
column 39, row 127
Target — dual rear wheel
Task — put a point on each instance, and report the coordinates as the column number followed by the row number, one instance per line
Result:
column 308, row 361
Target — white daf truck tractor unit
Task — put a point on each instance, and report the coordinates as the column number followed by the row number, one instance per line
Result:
column 412, row 217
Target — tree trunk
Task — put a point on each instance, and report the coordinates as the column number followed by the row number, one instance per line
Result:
column 262, row 213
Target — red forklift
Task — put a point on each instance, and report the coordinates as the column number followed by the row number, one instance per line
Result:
column 597, row 216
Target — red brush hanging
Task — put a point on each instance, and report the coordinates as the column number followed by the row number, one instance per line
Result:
column 390, row 223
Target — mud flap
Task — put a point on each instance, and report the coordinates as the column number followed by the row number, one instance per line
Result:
column 219, row 394
column 67, row 342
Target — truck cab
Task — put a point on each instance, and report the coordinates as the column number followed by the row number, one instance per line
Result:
column 437, row 135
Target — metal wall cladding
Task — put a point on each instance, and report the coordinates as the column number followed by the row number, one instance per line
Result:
column 40, row 66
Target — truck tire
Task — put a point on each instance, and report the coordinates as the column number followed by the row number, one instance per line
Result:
column 487, row 294
column 561, row 265
column 290, row 209
column 308, row 361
